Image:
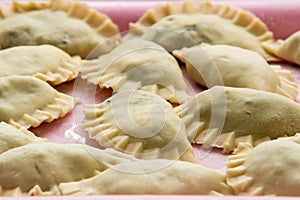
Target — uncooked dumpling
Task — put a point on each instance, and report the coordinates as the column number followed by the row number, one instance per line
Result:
column 27, row 101
column 138, row 123
column 225, row 116
column 45, row 62
column 48, row 164
column 82, row 30
column 190, row 23
column 152, row 177
column 11, row 137
column 232, row 66
column 288, row 49
column 271, row 168
column 138, row 64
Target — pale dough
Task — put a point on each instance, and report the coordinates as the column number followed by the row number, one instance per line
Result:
column 225, row 116
column 27, row 101
column 190, row 23
column 11, row 137
column 271, row 168
column 48, row 164
column 45, row 62
column 232, row 66
column 288, row 49
column 36, row 23
column 138, row 64
column 138, row 123
column 152, row 177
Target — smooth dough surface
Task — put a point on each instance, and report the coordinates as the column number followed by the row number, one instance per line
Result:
column 139, row 123
column 11, row 137
column 225, row 116
column 36, row 23
column 232, row 66
column 45, row 62
column 152, row 177
column 28, row 101
column 138, row 64
column 190, row 23
column 271, row 168
column 288, row 49
column 48, row 164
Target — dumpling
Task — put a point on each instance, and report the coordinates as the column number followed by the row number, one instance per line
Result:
column 45, row 62
column 36, row 23
column 138, row 64
column 271, row 168
column 232, row 66
column 225, row 116
column 138, row 123
column 152, row 177
column 27, row 101
column 288, row 49
column 11, row 137
column 192, row 23
column 48, row 164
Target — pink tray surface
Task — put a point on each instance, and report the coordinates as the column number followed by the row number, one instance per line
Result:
column 282, row 17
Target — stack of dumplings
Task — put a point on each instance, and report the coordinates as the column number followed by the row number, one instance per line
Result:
column 147, row 131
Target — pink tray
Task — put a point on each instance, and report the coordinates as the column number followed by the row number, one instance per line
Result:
column 282, row 17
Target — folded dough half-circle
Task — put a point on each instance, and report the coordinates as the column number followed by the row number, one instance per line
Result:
column 237, row 67
column 45, row 62
column 11, row 137
column 28, row 101
column 48, row 164
column 70, row 25
column 138, row 64
column 191, row 23
column 271, row 168
column 225, row 116
column 138, row 123
column 146, row 177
